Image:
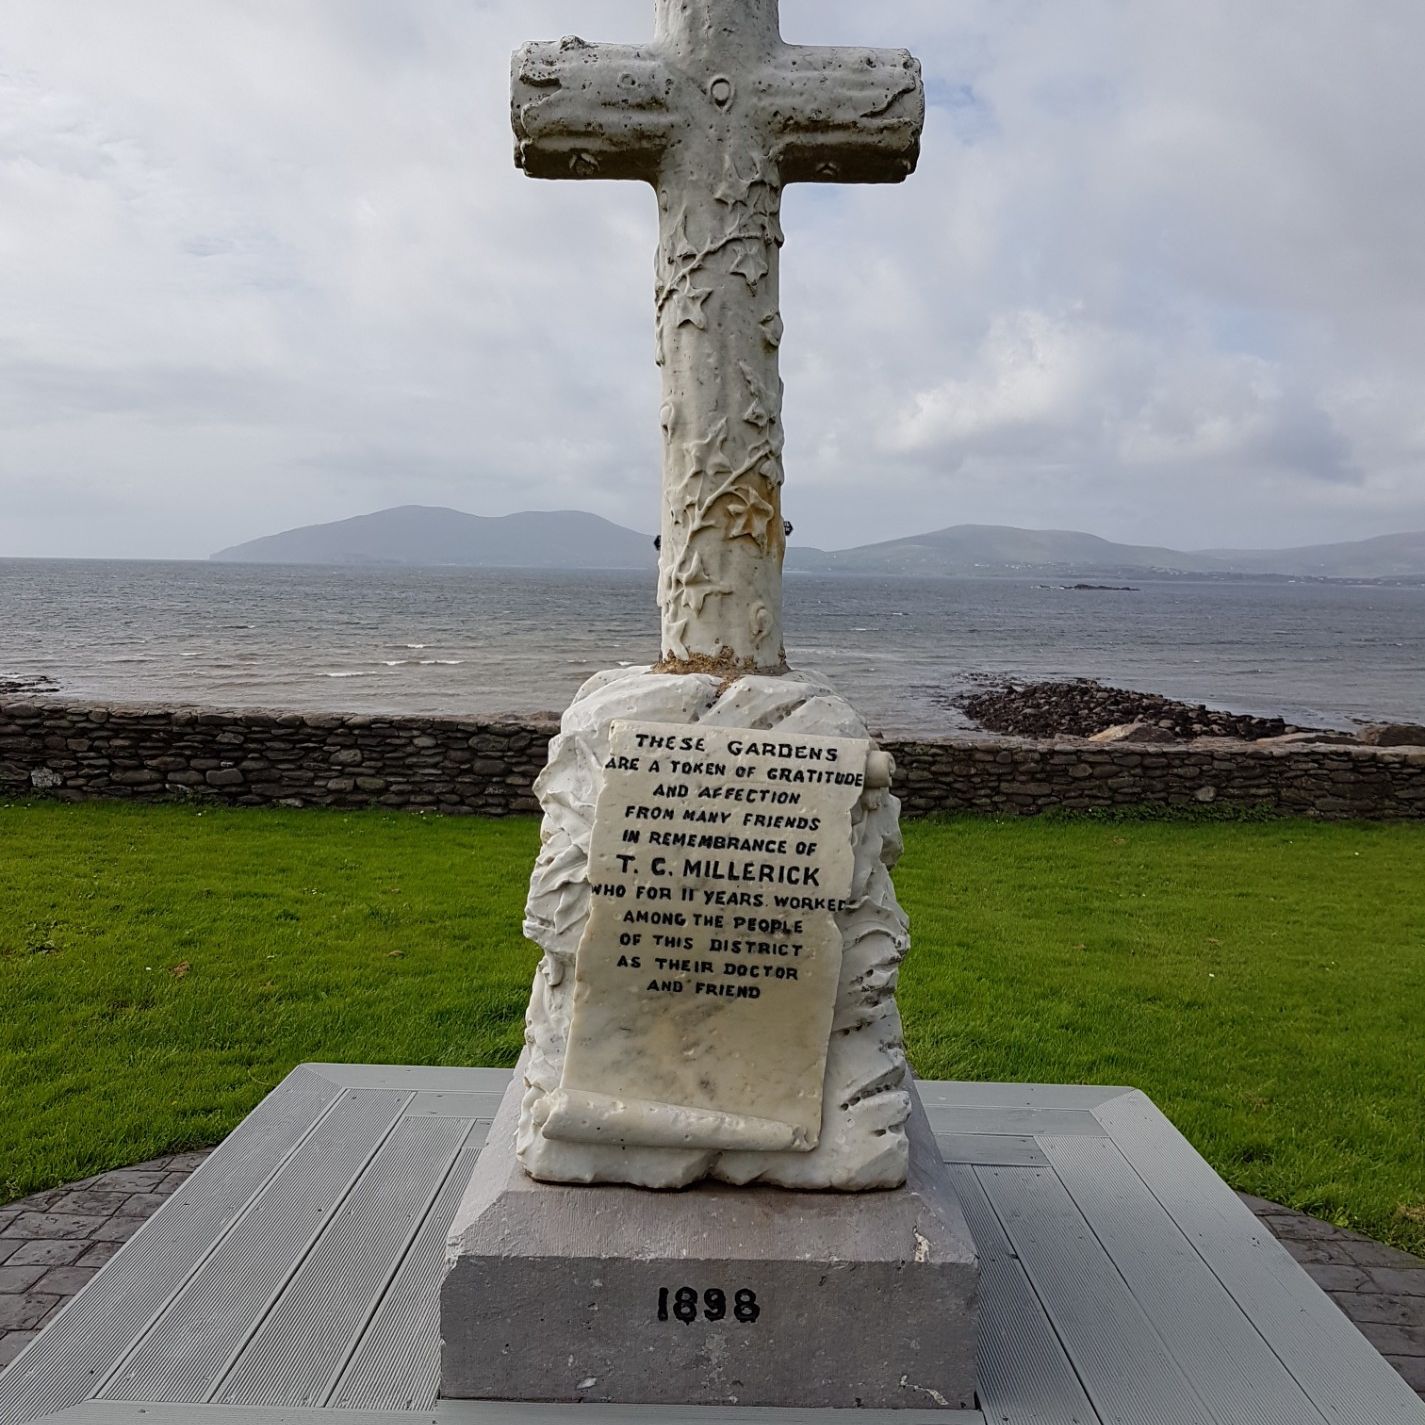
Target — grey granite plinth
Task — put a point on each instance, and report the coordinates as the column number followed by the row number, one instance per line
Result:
column 712, row 1296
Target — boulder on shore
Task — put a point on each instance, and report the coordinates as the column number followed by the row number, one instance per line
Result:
column 1134, row 732
column 1394, row 734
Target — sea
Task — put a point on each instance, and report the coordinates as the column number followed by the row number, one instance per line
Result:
column 474, row 642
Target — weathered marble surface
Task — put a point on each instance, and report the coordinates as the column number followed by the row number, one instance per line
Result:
column 718, row 114
column 707, row 975
column 862, row 1142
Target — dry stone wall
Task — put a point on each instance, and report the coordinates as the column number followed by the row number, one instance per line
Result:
column 270, row 758
column 487, row 767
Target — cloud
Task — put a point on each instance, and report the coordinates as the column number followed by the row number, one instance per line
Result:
column 1161, row 275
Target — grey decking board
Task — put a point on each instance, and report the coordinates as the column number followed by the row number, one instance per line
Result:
column 80, row 1347
column 413, row 1078
column 1025, row 1377
column 1018, row 1122
column 211, row 1318
column 396, row 1364
column 306, row 1339
column 450, row 1412
column 1116, row 1350
column 469, row 1106
column 1337, row 1366
column 962, row 1094
column 1236, row 1371
column 987, row 1149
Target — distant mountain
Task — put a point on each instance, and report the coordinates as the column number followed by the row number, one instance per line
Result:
column 1388, row 556
column 425, row 535
column 967, row 550
column 569, row 539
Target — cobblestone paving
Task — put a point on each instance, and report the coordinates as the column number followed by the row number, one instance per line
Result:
column 1381, row 1289
column 52, row 1243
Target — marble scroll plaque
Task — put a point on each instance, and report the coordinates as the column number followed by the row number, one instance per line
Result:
column 707, row 975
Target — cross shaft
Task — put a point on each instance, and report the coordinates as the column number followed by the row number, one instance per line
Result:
column 718, row 114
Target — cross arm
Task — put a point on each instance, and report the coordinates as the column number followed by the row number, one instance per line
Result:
column 590, row 111
column 840, row 115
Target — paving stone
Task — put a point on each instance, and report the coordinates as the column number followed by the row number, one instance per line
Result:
column 48, row 1254
column 65, row 1281
column 7, row 1216
column 92, row 1201
column 66, row 1226
column 1392, row 1340
column 18, row 1279
column 130, row 1180
column 8, row 1249
column 1297, row 1226
column 117, row 1229
column 1380, row 1306
column 97, row 1253
column 1412, row 1368
column 1336, row 1278
column 1376, row 1254
column 1410, row 1282
column 26, row 1312
column 39, row 1201
column 1340, row 1254
column 142, row 1204
column 187, row 1162
column 1259, row 1205
column 12, row 1343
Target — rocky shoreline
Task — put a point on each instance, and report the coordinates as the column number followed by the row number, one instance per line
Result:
column 1086, row 708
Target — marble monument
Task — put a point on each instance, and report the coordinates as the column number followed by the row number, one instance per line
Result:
column 718, row 115
column 714, row 1010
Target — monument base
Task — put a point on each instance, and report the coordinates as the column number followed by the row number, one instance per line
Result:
column 710, row 1296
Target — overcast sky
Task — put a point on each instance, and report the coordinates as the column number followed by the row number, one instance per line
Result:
column 1161, row 276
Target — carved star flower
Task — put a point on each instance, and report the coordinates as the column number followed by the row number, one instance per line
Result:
column 750, row 517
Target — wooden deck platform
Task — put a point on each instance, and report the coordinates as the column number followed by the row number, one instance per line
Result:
column 294, row 1277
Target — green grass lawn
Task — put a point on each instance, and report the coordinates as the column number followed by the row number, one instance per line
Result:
column 162, row 967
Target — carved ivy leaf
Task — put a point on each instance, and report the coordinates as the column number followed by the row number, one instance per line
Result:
column 761, row 411
column 709, row 455
column 773, row 330
column 750, row 517
column 685, row 306
column 678, row 638
column 699, row 586
column 751, row 264
column 732, row 189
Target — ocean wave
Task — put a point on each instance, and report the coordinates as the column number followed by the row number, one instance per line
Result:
column 369, row 673
column 425, row 663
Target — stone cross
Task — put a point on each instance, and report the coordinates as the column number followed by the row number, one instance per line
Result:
column 718, row 114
